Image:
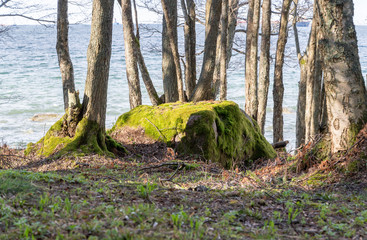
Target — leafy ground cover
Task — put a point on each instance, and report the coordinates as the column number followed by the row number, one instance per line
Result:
column 153, row 194
column 131, row 199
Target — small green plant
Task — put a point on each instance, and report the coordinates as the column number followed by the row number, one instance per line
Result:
column 44, row 201
column 292, row 214
column 179, row 218
column 269, row 226
column 67, row 205
column 144, row 191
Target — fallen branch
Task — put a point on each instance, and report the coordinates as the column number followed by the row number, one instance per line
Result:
column 159, row 131
column 161, row 165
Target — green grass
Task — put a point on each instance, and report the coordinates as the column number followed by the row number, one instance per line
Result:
column 128, row 204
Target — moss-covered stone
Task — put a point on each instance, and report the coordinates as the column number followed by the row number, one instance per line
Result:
column 217, row 131
column 88, row 138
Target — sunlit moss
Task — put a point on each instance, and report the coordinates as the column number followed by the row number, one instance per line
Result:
column 218, row 131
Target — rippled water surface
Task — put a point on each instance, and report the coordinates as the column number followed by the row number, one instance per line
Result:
column 30, row 80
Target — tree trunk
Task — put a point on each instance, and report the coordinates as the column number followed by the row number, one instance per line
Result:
column 301, row 104
column 98, row 58
column 204, row 89
column 313, row 85
column 278, row 90
column 131, row 58
column 188, row 10
column 223, row 49
column 345, row 91
column 152, row 93
column 232, row 24
column 170, row 35
column 253, row 17
column 62, row 48
column 264, row 68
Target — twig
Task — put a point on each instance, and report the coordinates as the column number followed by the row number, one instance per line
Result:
column 180, row 167
column 160, row 165
column 159, row 131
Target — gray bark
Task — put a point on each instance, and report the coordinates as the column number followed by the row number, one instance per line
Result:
column 345, row 90
column 313, row 85
column 223, row 49
column 278, row 90
column 253, row 17
column 152, row 93
column 98, row 58
column 204, row 89
column 169, row 75
column 131, row 58
column 188, row 10
column 264, row 68
column 62, row 48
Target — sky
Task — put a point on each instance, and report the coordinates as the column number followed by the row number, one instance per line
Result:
column 360, row 13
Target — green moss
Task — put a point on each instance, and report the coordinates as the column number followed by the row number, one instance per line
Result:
column 88, row 138
column 218, row 131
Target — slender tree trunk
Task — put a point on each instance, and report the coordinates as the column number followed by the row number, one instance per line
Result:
column 345, row 90
column 204, row 89
column 264, row 68
column 169, row 37
column 98, row 58
column 223, row 47
column 232, row 24
column 131, row 58
column 301, row 103
column 62, row 48
column 313, row 85
column 152, row 93
column 278, row 90
column 253, row 18
column 188, row 10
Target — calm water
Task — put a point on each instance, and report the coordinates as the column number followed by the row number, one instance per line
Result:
column 30, row 80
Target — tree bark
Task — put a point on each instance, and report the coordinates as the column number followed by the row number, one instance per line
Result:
column 345, row 91
column 131, row 58
column 301, row 104
column 204, row 89
column 169, row 72
column 252, row 34
column 313, row 85
column 278, row 89
column 98, row 58
column 264, row 68
column 152, row 93
column 223, row 49
column 188, row 10
column 62, row 48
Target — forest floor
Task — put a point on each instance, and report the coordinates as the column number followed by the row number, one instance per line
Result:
column 152, row 194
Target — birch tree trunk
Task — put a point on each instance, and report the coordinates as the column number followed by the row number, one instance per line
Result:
column 188, row 10
column 253, row 17
column 62, row 48
column 204, row 89
column 264, row 68
column 278, row 90
column 169, row 72
column 131, row 58
column 345, row 90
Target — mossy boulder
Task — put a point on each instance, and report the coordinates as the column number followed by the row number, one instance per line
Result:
column 217, row 131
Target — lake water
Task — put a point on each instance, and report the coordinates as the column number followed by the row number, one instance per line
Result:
column 30, row 80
